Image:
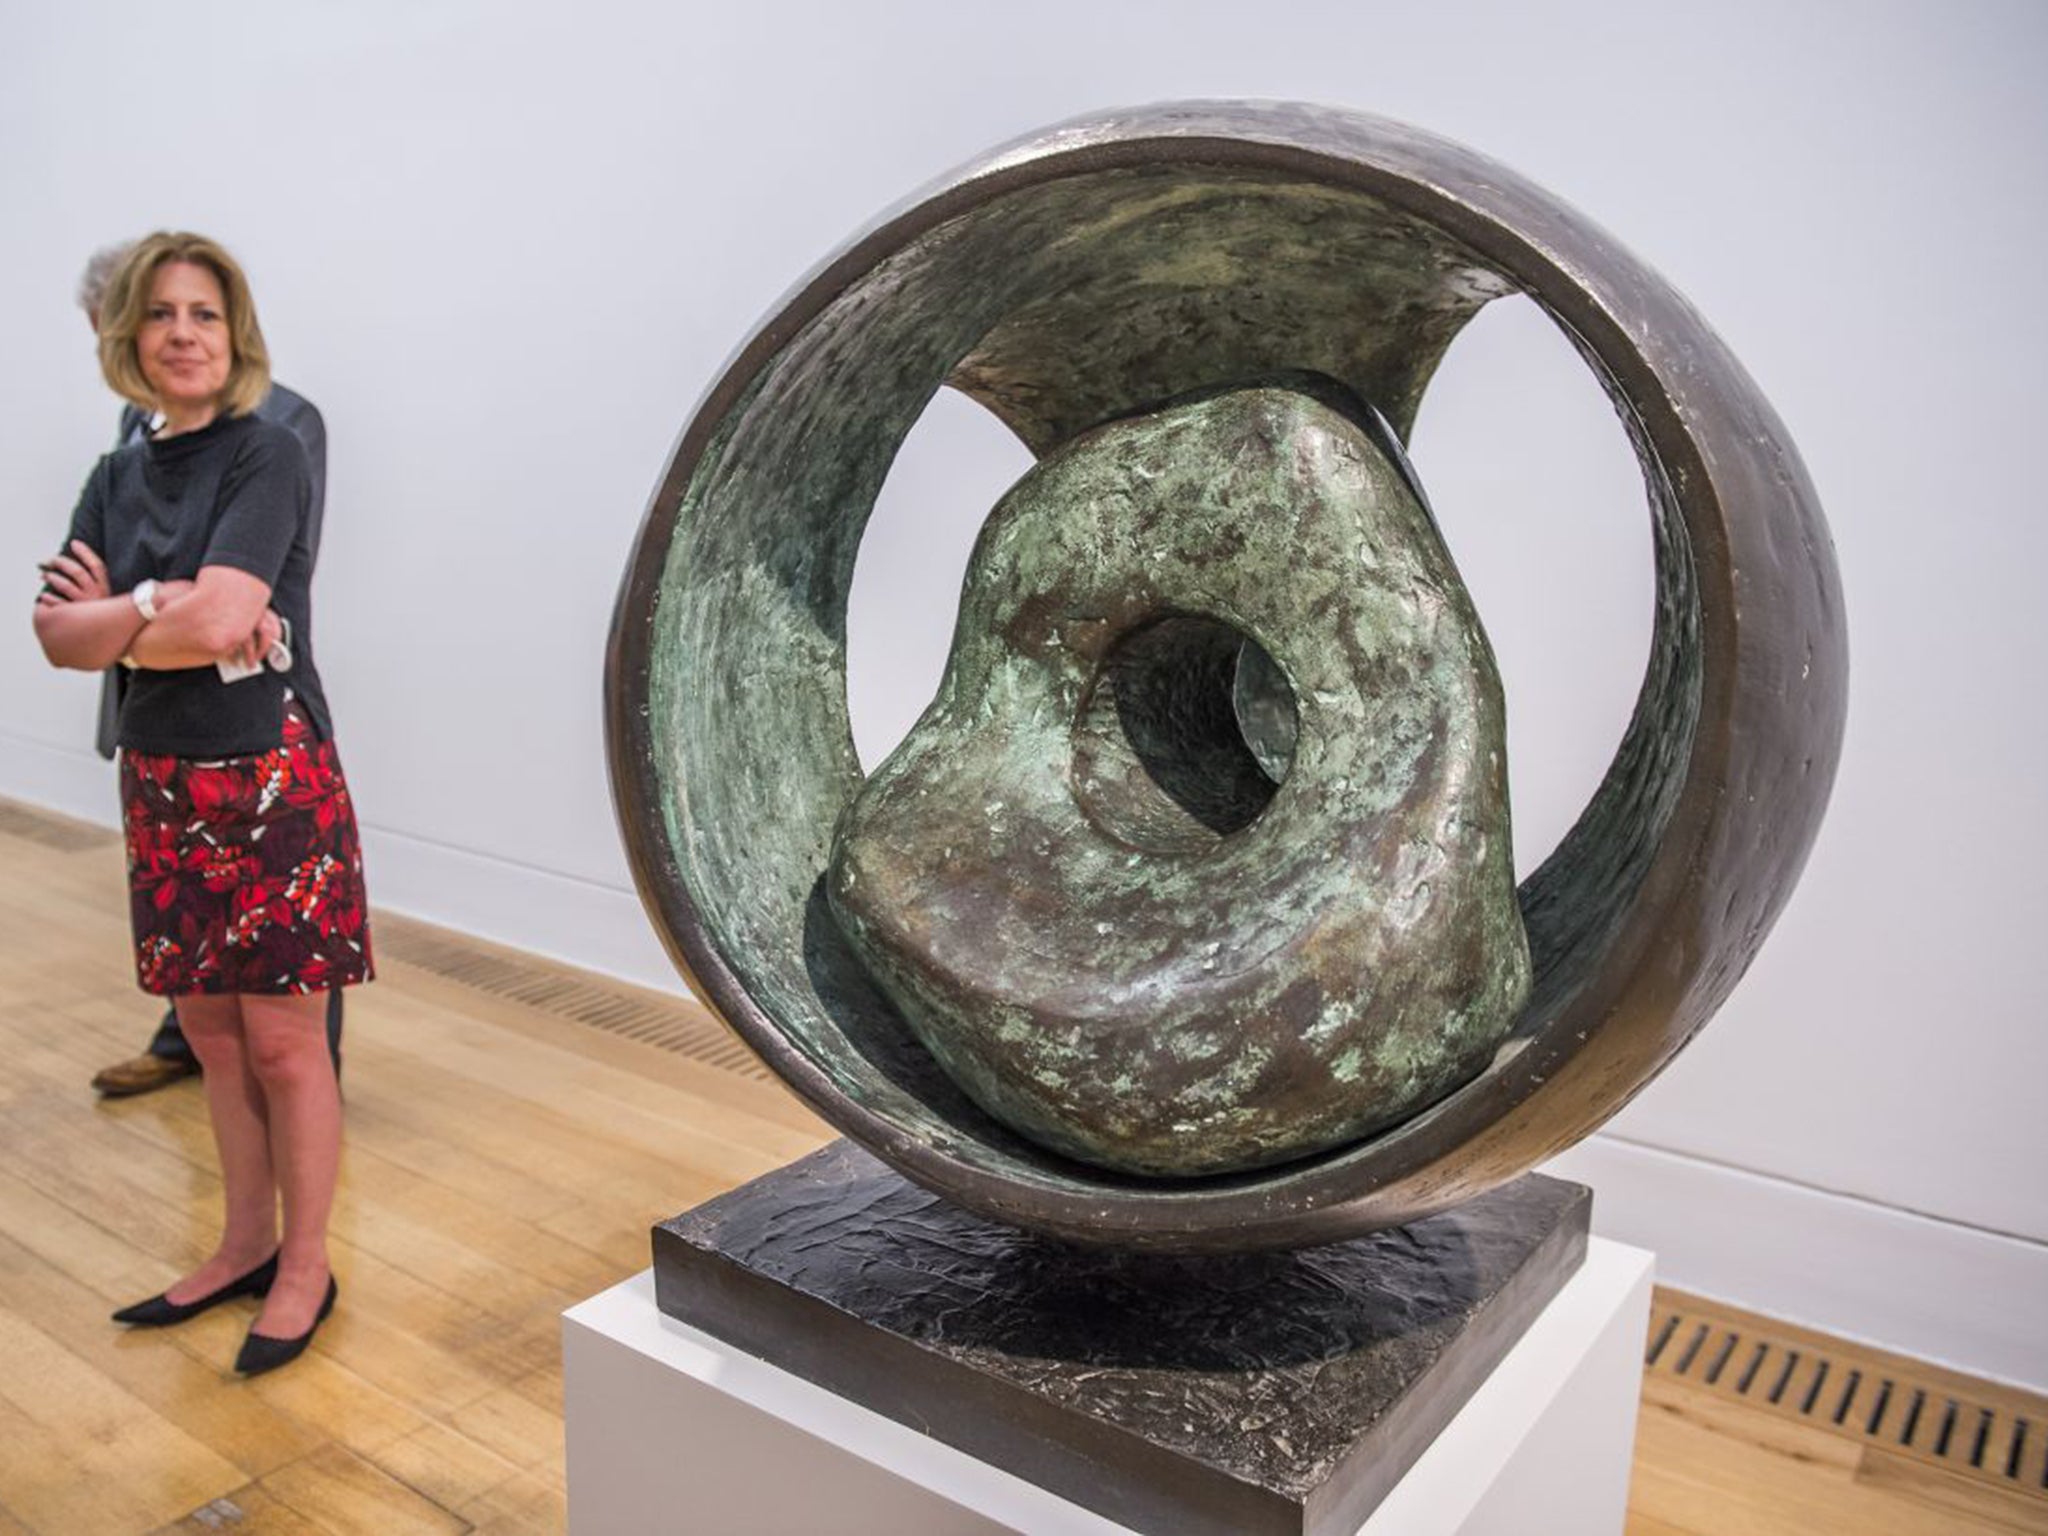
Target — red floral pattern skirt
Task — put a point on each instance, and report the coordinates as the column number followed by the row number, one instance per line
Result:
column 245, row 874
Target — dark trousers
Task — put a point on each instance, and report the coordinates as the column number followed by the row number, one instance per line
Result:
column 170, row 1040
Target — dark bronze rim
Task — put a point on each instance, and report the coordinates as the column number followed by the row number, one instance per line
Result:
column 1656, row 902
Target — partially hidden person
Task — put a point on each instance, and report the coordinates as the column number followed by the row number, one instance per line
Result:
column 189, row 560
column 167, row 1058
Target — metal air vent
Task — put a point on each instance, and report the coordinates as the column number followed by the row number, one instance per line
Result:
column 1981, row 1430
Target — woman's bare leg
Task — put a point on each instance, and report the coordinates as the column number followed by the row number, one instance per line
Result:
column 287, row 1045
column 213, row 1027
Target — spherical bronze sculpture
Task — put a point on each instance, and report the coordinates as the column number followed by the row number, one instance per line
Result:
column 1107, row 268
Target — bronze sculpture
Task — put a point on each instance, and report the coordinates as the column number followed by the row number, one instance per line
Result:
column 1110, row 268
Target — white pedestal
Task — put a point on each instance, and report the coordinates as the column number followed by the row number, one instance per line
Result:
column 672, row 1431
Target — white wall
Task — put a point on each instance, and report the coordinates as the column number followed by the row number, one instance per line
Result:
column 505, row 249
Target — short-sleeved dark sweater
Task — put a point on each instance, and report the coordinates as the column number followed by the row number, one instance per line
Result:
column 238, row 493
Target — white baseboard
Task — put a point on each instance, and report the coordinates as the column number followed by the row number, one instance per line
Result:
column 1911, row 1283
column 1933, row 1289
column 580, row 922
column 76, row 782
column 564, row 917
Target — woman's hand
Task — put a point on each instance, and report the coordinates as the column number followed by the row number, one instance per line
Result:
column 269, row 630
column 76, row 577
column 79, row 620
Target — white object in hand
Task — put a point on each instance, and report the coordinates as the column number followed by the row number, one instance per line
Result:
column 278, row 658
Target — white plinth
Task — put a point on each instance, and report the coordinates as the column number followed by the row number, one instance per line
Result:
column 672, row 1431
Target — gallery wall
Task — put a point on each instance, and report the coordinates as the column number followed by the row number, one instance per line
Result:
column 506, row 246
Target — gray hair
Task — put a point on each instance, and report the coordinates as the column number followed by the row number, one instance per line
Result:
column 99, row 271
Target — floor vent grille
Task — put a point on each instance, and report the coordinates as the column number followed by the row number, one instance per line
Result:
column 47, row 829
column 1980, row 1430
column 616, row 1008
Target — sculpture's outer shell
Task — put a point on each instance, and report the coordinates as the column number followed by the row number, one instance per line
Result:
column 1101, row 267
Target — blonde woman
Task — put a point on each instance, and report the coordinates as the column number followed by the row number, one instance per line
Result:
column 190, row 560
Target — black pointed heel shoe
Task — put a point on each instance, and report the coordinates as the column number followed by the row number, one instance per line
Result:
column 261, row 1352
column 160, row 1312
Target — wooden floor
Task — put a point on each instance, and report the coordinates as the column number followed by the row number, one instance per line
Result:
column 502, row 1161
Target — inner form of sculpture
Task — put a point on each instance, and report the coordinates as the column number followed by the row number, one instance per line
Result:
column 1216, row 696
column 1086, row 895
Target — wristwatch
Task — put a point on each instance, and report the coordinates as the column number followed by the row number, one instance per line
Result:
column 145, row 598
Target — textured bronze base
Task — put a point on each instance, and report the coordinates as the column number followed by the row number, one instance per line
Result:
column 1258, row 1393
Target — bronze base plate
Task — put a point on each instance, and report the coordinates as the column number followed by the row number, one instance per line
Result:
column 1241, row 1393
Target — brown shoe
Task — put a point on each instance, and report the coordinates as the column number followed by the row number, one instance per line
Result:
column 141, row 1074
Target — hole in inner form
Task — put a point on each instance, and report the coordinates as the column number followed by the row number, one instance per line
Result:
column 1187, row 732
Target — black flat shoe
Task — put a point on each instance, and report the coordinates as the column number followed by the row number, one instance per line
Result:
column 158, row 1312
column 261, row 1352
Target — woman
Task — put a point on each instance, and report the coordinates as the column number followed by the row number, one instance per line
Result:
column 189, row 559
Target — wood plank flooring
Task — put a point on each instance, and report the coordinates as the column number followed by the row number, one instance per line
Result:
column 502, row 1162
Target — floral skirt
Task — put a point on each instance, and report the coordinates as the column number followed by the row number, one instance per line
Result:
column 245, row 874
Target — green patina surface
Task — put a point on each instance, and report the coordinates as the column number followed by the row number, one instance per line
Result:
column 1077, row 878
column 1056, row 309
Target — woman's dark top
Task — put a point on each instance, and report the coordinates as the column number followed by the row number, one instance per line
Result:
column 236, row 492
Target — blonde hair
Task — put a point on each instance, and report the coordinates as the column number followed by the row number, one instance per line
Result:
column 126, row 307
